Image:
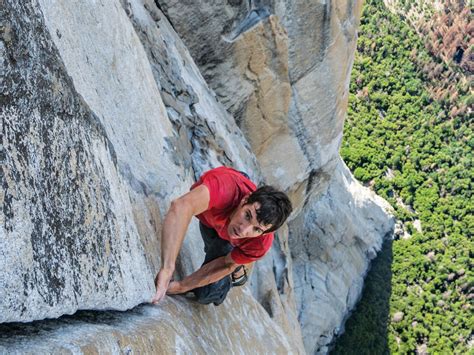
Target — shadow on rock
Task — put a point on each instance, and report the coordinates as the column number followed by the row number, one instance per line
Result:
column 366, row 329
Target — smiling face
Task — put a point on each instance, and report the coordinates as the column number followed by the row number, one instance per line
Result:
column 243, row 221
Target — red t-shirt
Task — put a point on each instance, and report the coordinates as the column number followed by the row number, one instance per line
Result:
column 227, row 187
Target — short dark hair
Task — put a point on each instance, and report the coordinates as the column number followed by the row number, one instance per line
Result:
column 275, row 206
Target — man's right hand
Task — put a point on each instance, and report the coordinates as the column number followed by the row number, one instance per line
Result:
column 162, row 281
column 175, row 225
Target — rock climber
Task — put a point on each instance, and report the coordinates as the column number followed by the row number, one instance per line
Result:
column 237, row 222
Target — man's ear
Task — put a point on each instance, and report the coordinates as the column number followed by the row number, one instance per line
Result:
column 244, row 199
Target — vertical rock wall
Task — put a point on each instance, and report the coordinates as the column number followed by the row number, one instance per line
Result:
column 253, row 53
column 105, row 119
column 68, row 237
column 306, row 47
column 93, row 154
column 282, row 69
column 331, row 251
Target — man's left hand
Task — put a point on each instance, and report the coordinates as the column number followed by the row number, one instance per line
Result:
column 175, row 288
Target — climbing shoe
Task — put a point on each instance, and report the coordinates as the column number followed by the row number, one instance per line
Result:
column 239, row 280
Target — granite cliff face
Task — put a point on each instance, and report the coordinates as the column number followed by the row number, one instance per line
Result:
column 282, row 69
column 106, row 118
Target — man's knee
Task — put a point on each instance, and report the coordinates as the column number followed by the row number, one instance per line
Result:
column 213, row 293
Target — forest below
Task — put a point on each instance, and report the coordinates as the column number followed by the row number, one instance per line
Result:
column 409, row 137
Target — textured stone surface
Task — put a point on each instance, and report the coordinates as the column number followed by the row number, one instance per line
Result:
column 331, row 246
column 315, row 42
column 68, row 237
column 106, row 118
column 320, row 76
column 93, row 155
column 275, row 293
column 238, row 326
column 242, row 51
column 306, row 48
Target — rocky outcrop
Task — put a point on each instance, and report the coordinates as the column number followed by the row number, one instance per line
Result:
column 282, row 69
column 331, row 253
column 106, row 119
column 99, row 136
column 93, row 157
column 177, row 326
column 296, row 139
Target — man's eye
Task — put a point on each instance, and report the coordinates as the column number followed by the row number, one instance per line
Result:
column 258, row 230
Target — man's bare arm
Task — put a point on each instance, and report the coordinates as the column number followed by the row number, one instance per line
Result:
column 207, row 274
column 174, row 229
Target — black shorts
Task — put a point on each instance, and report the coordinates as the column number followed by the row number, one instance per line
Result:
column 214, row 247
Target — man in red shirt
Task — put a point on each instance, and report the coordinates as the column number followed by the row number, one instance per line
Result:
column 237, row 221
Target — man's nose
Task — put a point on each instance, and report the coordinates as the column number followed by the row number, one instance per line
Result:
column 245, row 229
